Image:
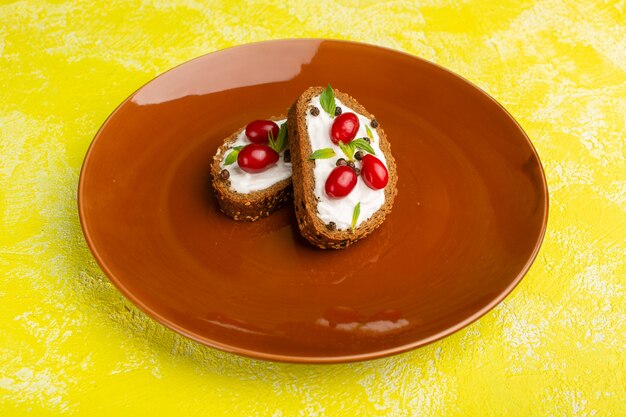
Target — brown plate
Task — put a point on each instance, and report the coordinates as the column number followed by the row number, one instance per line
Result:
column 467, row 223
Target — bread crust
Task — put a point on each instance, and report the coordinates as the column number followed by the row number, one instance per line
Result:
column 252, row 206
column 311, row 226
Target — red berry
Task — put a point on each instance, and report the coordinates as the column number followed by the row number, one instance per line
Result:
column 344, row 128
column 256, row 157
column 340, row 182
column 258, row 131
column 374, row 172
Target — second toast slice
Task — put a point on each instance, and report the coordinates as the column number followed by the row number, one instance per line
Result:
column 245, row 196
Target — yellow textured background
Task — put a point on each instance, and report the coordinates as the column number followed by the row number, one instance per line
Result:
column 69, row 342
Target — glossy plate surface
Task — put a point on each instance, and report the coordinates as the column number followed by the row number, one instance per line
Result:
column 467, row 223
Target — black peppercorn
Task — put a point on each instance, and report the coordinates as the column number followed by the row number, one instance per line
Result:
column 331, row 226
column 357, row 171
column 314, row 111
column 358, row 155
column 374, row 123
column 366, row 139
column 351, row 164
column 224, row 174
column 287, row 156
column 338, row 111
column 341, row 162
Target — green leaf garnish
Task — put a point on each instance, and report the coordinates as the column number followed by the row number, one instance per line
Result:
column 350, row 148
column 369, row 132
column 363, row 145
column 327, row 101
column 322, row 154
column 347, row 150
column 282, row 137
column 355, row 215
column 280, row 143
column 270, row 137
column 232, row 157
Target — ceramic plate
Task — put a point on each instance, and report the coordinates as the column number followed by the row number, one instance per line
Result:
column 467, row 222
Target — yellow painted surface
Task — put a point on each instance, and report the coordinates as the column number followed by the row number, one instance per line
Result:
column 71, row 344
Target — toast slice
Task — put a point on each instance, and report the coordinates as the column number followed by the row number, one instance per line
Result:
column 327, row 222
column 247, row 196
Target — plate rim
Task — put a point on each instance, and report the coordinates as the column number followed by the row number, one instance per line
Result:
column 303, row 359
